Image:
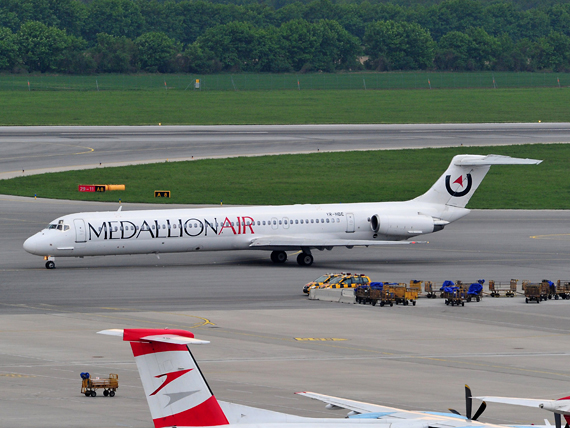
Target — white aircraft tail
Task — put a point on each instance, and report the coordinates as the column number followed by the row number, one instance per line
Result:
column 463, row 176
column 176, row 391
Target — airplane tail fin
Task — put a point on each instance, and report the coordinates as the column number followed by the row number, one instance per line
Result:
column 176, row 391
column 463, row 176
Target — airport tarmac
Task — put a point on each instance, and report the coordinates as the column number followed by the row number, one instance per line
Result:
column 260, row 323
column 254, row 312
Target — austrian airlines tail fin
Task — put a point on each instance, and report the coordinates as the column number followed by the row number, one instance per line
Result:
column 175, row 388
column 465, row 173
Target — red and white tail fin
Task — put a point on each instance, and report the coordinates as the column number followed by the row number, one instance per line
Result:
column 176, row 391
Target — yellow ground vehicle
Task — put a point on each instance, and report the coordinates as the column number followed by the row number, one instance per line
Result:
column 108, row 385
column 347, row 280
column 323, row 279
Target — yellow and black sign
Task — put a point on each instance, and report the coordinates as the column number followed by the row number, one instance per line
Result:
column 162, row 193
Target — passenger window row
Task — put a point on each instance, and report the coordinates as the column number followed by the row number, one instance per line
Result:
column 196, row 225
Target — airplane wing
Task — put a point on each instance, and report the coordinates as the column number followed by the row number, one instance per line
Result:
column 319, row 242
column 397, row 417
column 342, row 403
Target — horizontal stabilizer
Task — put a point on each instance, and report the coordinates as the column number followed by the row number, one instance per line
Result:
column 156, row 335
column 475, row 160
column 317, row 242
column 561, row 406
column 527, row 402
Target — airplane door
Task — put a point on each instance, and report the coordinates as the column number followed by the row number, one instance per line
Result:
column 80, row 235
column 349, row 223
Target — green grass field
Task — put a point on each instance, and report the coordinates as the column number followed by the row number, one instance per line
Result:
column 318, row 178
column 284, row 107
column 291, row 81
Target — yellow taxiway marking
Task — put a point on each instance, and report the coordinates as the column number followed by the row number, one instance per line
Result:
column 14, row 375
column 555, row 236
column 318, row 339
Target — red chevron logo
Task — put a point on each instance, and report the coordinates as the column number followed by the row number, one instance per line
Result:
column 169, row 378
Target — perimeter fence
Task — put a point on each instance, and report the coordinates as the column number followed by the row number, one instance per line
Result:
column 268, row 82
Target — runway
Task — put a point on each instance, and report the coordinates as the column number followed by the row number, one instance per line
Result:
column 41, row 149
column 254, row 312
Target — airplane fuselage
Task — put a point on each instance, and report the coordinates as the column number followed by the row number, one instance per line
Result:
column 230, row 228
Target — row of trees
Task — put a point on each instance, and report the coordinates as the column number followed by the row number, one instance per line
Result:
column 186, row 20
column 106, row 36
column 295, row 46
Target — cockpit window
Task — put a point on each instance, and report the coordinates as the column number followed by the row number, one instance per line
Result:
column 59, row 226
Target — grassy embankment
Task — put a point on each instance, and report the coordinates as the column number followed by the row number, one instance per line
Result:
column 318, row 178
column 284, row 107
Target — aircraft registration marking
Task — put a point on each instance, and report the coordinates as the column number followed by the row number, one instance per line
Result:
column 318, row 339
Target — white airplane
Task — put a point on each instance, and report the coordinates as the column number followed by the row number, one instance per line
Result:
column 274, row 228
column 179, row 396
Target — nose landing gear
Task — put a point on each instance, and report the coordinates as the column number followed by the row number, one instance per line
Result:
column 50, row 263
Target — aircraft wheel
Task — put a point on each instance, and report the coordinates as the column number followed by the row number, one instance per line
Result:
column 111, row 393
column 305, row 259
column 50, row 264
column 278, row 256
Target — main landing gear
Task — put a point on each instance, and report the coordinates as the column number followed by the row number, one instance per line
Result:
column 278, row 256
column 50, row 263
column 303, row 259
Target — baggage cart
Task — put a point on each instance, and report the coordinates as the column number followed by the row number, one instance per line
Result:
column 444, row 286
column 429, row 288
column 453, row 296
column 532, row 292
column 89, row 385
column 549, row 289
column 475, row 292
column 563, row 289
column 402, row 294
column 498, row 288
column 373, row 294
column 411, row 296
column 416, row 284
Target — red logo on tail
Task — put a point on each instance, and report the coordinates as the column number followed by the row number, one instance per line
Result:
column 169, row 378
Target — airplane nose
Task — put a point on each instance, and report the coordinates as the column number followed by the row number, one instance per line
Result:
column 31, row 245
